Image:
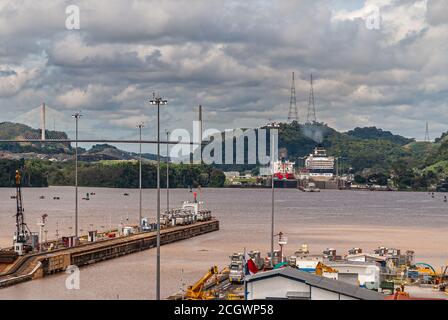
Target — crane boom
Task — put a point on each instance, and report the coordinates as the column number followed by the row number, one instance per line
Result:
column 196, row 291
column 22, row 234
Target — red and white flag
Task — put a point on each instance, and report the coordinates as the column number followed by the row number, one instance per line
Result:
column 250, row 266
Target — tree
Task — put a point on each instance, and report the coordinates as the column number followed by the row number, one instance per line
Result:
column 217, row 179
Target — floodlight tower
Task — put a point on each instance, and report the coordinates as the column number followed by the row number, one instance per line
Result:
column 140, row 126
column 77, row 116
column 158, row 101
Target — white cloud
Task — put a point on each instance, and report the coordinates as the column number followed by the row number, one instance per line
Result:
column 235, row 58
column 88, row 97
column 14, row 78
column 130, row 121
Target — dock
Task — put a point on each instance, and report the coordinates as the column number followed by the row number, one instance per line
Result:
column 38, row 265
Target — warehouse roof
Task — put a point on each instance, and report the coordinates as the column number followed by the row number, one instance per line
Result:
column 319, row 282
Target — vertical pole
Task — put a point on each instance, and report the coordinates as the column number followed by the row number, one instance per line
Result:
column 76, row 180
column 167, row 173
column 140, row 179
column 158, row 201
column 244, row 274
column 43, row 121
column 337, row 167
column 272, row 204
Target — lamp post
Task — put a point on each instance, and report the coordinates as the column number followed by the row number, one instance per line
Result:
column 77, row 116
column 158, row 101
column 167, row 172
column 272, row 203
column 140, row 126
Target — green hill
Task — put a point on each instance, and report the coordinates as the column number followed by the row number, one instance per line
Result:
column 360, row 151
column 375, row 133
column 16, row 131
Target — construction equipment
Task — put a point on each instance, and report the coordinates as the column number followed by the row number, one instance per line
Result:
column 400, row 293
column 321, row 268
column 22, row 234
column 441, row 280
column 424, row 268
column 236, row 274
column 197, row 292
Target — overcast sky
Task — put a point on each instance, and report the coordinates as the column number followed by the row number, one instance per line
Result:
column 233, row 57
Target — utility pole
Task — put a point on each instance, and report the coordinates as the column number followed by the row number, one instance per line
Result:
column 77, row 116
column 167, row 172
column 337, row 167
column 140, row 126
column 158, row 101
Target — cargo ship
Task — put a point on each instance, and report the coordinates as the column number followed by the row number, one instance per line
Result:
column 284, row 175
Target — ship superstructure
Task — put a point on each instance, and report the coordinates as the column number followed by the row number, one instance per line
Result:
column 284, row 174
column 319, row 166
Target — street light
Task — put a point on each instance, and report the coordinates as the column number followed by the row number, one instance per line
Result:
column 158, row 101
column 140, row 126
column 167, row 172
column 77, row 116
column 272, row 202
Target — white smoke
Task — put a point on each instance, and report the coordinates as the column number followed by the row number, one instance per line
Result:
column 314, row 132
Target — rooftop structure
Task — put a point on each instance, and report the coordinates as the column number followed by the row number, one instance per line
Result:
column 290, row 283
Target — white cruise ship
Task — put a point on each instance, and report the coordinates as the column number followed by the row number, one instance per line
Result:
column 319, row 166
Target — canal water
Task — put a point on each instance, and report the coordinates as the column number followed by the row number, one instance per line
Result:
column 331, row 218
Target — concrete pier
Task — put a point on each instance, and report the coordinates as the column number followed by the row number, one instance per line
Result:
column 41, row 264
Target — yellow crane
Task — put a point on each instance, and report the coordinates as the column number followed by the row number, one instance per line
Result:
column 196, row 291
column 321, row 268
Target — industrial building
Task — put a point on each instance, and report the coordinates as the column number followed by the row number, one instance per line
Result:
column 291, row 283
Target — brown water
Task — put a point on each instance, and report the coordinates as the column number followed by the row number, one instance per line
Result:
column 339, row 219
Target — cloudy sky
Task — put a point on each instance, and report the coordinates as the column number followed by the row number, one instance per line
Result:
column 381, row 63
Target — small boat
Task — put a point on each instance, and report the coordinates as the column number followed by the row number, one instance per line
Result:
column 42, row 197
column 126, row 194
column 86, row 197
column 13, row 197
column 310, row 187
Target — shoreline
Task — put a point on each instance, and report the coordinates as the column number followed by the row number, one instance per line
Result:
column 224, row 187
